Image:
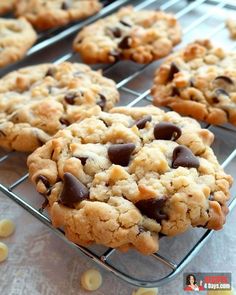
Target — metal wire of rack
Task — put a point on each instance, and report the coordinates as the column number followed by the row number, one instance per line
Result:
column 134, row 82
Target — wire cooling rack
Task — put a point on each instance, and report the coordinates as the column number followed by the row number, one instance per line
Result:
column 199, row 19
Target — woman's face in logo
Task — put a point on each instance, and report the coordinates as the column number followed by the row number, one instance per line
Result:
column 191, row 280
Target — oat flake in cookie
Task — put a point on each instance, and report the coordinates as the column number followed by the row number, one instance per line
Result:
column 141, row 36
column 47, row 14
column 16, row 37
column 121, row 178
column 199, row 81
column 37, row 101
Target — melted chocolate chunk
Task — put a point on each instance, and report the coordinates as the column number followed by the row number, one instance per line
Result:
column 167, row 131
column 44, row 180
column 183, row 157
column 65, row 5
column 70, row 97
column 102, row 101
column 225, row 79
column 221, row 91
column 152, row 208
column 119, row 154
column 125, row 23
column 173, row 70
column 73, row 191
column 82, row 160
column 142, row 122
column 116, row 32
column 125, row 43
column 64, row 122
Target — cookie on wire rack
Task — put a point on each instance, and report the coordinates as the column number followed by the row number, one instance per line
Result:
column 122, row 178
column 49, row 14
column 17, row 36
column 141, row 36
column 37, row 101
column 199, row 81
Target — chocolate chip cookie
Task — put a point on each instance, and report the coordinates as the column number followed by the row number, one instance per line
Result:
column 16, row 37
column 199, row 81
column 122, row 178
column 37, row 101
column 141, row 36
column 6, row 6
column 49, row 14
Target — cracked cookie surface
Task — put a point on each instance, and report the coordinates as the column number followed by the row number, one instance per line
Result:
column 141, row 36
column 37, row 101
column 16, row 37
column 121, row 178
column 54, row 13
column 199, row 81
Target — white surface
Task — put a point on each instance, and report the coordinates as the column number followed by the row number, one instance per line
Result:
column 40, row 263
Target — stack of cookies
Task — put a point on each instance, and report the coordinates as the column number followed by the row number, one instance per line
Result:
column 118, row 176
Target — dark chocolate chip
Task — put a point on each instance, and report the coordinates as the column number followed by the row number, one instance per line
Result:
column 115, row 54
column 82, row 160
column 125, row 43
column 125, row 23
column 70, row 97
column 64, row 122
column 173, row 70
column 175, row 91
column 167, row 131
column 102, row 101
column 215, row 100
column 221, row 91
column 73, row 190
column 2, row 133
column 225, row 79
column 65, row 5
column 50, row 72
column 142, row 122
column 44, row 205
column 116, row 32
column 152, row 208
column 119, row 154
column 183, row 156
column 44, row 180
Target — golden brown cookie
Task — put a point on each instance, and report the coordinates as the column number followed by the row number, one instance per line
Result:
column 120, row 179
column 199, row 81
column 141, row 36
column 37, row 101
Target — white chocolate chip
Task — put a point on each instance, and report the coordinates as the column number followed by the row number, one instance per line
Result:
column 7, row 227
column 3, row 252
column 146, row 291
column 91, row 280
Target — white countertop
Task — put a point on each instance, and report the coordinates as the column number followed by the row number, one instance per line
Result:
column 41, row 263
